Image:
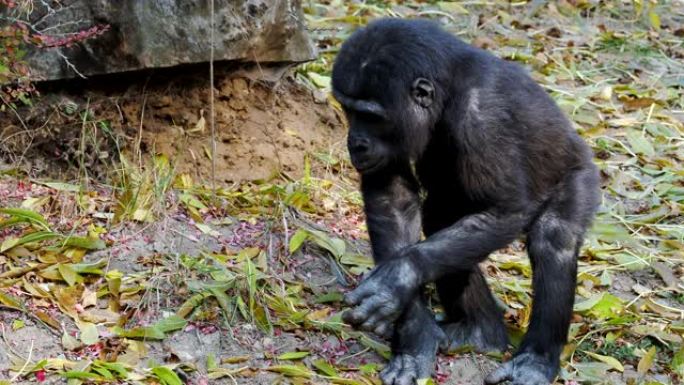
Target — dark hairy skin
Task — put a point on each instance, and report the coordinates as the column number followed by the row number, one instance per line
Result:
column 467, row 148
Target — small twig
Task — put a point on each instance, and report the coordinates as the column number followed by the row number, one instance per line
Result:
column 212, row 118
column 70, row 65
column 28, row 360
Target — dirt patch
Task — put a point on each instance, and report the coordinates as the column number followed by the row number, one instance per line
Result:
column 265, row 124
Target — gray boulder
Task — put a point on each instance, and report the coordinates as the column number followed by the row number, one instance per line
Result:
column 164, row 33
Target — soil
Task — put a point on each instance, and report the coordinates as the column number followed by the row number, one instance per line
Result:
column 265, row 124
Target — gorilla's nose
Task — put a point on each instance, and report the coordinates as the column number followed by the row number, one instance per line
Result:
column 359, row 145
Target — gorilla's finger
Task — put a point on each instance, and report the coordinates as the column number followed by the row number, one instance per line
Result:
column 503, row 373
column 383, row 329
column 373, row 321
column 360, row 314
column 357, row 295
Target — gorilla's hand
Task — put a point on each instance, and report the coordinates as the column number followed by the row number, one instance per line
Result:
column 382, row 296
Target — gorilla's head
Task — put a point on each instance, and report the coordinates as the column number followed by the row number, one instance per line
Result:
column 387, row 84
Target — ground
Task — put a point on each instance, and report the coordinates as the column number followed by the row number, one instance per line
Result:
column 118, row 260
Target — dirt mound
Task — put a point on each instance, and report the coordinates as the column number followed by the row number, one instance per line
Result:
column 265, row 123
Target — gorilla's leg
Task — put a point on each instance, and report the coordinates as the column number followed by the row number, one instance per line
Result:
column 554, row 241
column 414, row 345
column 473, row 317
column 393, row 216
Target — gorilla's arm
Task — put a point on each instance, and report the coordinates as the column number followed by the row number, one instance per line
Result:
column 496, row 177
column 464, row 244
column 392, row 207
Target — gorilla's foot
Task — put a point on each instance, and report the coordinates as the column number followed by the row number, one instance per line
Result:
column 414, row 347
column 406, row 369
column 525, row 369
column 482, row 336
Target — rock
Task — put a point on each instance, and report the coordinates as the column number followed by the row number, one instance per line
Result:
column 165, row 33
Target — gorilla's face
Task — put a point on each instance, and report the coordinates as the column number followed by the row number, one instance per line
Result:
column 369, row 140
column 379, row 135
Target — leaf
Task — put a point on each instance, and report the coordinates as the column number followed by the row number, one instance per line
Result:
column 335, row 246
column 293, row 355
column 18, row 324
column 37, row 236
column 321, row 81
column 615, row 364
column 81, row 375
column 68, row 274
column 89, row 334
column 150, row 333
column 334, row 296
column 639, row 143
column 452, row 7
column 298, row 239
column 425, row 381
column 291, row 370
column 27, row 215
column 61, row 186
column 207, row 230
column 646, row 362
column 166, row 376
column 677, row 363
column 69, row 342
column 170, row 323
column 602, row 306
column 324, row 367
column 85, row 243
column 654, row 19
column 10, row 301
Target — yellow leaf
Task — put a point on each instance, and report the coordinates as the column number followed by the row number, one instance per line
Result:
column 615, row 364
column 654, row 19
column 646, row 362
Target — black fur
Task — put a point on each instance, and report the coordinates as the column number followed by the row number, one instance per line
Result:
column 496, row 158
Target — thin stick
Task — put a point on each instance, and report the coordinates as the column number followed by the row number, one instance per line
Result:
column 211, row 104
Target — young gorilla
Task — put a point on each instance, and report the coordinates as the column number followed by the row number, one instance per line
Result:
column 495, row 158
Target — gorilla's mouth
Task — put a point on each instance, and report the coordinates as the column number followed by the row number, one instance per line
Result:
column 367, row 167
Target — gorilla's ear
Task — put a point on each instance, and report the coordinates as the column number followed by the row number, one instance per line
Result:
column 423, row 92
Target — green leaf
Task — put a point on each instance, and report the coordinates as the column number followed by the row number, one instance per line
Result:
column 61, row 186
column 298, row 239
column 37, row 236
column 291, row 370
column 170, row 323
column 166, row 376
column 293, row 355
column 335, row 246
column 615, row 364
column 452, row 7
column 639, row 143
column 89, row 334
column 68, row 274
column 677, row 364
column 81, row 375
column 425, row 381
column 150, row 333
column 85, row 243
column 28, row 215
column 601, row 306
column 321, row 81
column 10, row 301
column 334, row 296
column 324, row 367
